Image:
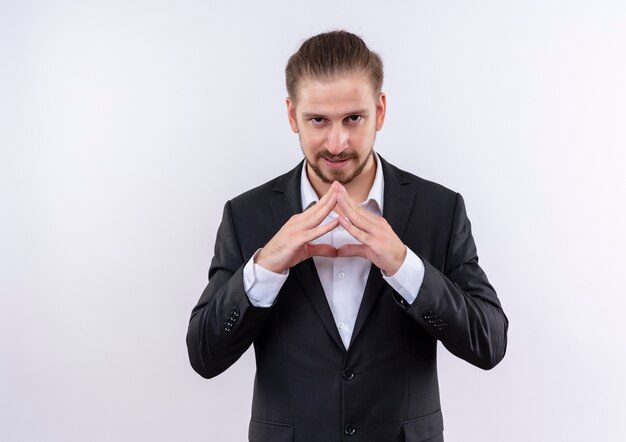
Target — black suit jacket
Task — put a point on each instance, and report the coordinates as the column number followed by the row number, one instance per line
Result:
column 308, row 388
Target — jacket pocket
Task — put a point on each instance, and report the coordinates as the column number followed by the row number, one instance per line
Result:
column 262, row 431
column 426, row 428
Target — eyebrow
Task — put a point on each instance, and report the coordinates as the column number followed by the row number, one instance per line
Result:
column 355, row 112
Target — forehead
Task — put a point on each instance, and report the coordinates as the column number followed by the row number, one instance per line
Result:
column 338, row 95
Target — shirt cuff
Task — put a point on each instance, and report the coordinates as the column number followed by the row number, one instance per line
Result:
column 262, row 285
column 408, row 279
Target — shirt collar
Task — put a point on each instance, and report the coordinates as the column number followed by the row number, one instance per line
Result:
column 374, row 200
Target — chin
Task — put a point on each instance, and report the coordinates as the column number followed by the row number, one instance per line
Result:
column 343, row 176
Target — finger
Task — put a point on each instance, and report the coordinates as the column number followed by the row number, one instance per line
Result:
column 352, row 250
column 325, row 199
column 334, row 187
column 321, row 230
column 329, row 193
column 353, row 230
column 357, row 215
column 316, row 214
column 363, row 212
column 348, row 198
column 325, row 205
column 311, row 220
column 350, row 201
column 321, row 250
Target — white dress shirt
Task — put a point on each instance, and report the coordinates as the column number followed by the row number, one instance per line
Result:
column 343, row 278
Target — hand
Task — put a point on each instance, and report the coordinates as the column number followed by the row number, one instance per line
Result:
column 380, row 244
column 291, row 245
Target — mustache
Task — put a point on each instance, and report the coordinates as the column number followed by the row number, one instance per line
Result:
column 341, row 157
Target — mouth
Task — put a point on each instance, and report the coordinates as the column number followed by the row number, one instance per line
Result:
column 335, row 163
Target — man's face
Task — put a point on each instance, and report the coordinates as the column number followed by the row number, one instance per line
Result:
column 336, row 121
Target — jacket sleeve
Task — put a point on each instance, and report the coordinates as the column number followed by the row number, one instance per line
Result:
column 224, row 323
column 458, row 305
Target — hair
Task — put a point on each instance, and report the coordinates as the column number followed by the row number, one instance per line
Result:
column 325, row 56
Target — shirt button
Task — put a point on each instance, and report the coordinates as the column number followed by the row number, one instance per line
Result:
column 341, row 275
column 340, row 325
column 340, row 228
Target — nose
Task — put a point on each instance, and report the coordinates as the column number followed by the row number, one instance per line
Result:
column 337, row 140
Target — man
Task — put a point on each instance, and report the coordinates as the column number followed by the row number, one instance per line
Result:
column 344, row 273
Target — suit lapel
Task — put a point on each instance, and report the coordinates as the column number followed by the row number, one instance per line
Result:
column 286, row 203
column 397, row 206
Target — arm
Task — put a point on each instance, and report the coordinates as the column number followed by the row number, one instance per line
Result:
column 224, row 322
column 459, row 306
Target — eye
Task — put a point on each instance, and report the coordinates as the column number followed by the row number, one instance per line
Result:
column 354, row 118
column 317, row 121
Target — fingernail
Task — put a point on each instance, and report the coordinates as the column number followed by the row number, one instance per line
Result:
column 343, row 189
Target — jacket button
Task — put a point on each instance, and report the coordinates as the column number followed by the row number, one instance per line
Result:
column 348, row 374
column 427, row 314
column 349, row 429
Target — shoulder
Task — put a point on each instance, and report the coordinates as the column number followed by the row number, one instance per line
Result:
column 429, row 191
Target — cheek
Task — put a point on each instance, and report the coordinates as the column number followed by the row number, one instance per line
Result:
column 357, row 138
column 312, row 139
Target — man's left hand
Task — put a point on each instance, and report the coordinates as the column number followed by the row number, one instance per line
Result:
column 379, row 243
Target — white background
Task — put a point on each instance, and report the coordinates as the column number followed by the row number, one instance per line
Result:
column 126, row 125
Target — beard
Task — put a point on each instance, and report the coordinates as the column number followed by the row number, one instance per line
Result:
column 338, row 174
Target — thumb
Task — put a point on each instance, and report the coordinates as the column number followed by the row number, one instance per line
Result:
column 321, row 250
column 352, row 250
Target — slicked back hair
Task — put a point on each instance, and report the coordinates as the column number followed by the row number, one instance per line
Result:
column 331, row 54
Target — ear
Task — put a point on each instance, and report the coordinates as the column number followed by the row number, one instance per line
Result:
column 291, row 114
column 381, row 109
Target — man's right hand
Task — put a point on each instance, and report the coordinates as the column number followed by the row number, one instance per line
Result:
column 291, row 244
